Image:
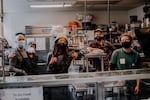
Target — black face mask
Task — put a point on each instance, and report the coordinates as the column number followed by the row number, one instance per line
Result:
column 126, row 44
column 99, row 38
column 62, row 46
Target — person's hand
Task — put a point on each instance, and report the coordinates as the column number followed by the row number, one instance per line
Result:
column 53, row 60
column 11, row 54
column 136, row 90
column 74, row 55
column 90, row 49
column 98, row 50
column 24, row 73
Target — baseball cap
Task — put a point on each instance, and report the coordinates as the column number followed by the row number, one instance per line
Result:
column 98, row 30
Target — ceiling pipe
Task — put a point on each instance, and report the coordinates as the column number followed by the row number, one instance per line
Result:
column 85, row 11
column 1, row 18
column 108, row 12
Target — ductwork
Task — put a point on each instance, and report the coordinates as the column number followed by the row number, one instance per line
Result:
column 51, row 0
column 93, row 4
column 79, row 1
column 99, row 1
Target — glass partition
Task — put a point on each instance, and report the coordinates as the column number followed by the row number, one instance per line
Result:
column 111, row 85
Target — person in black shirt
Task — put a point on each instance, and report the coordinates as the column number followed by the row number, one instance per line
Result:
column 60, row 59
column 58, row 62
column 19, row 61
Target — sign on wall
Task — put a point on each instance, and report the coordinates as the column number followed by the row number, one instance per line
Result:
column 32, row 93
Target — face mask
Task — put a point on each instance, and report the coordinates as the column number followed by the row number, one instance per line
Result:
column 21, row 44
column 98, row 38
column 31, row 50
column 62, row 45
column 126, row 44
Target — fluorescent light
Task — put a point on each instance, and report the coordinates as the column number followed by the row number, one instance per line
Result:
column 50, row 6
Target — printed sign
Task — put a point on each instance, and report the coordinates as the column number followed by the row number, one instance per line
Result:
column 32, row 93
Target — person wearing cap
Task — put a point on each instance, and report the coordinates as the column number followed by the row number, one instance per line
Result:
column 102, row 45
column 58, row 62
column 60, row 59
column 18, row 60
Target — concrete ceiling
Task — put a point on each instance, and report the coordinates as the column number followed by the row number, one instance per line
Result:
column 24, row 5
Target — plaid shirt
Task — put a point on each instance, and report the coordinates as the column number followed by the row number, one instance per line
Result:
column 106, row 46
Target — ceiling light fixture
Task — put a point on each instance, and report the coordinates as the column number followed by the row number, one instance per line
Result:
column 51, row 6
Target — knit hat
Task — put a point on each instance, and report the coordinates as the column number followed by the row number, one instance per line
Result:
column 61, row 36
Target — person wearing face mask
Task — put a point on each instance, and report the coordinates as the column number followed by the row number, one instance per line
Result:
column 18, row 60
column 127, row 58
column 102, row 45
column 58, row 62
column 31, row 51
column 60, row 59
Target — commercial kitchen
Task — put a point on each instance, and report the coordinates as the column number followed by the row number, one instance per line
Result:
column 74, row 44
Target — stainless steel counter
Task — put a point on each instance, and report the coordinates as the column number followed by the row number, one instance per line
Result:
column 96, row 55
column 98, row 78
column 64, row 79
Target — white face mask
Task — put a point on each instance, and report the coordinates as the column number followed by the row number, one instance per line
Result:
column 21, row 43
column 31, row 50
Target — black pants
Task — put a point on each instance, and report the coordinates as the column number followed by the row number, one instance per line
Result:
column 56, row 93
column 131, row 95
